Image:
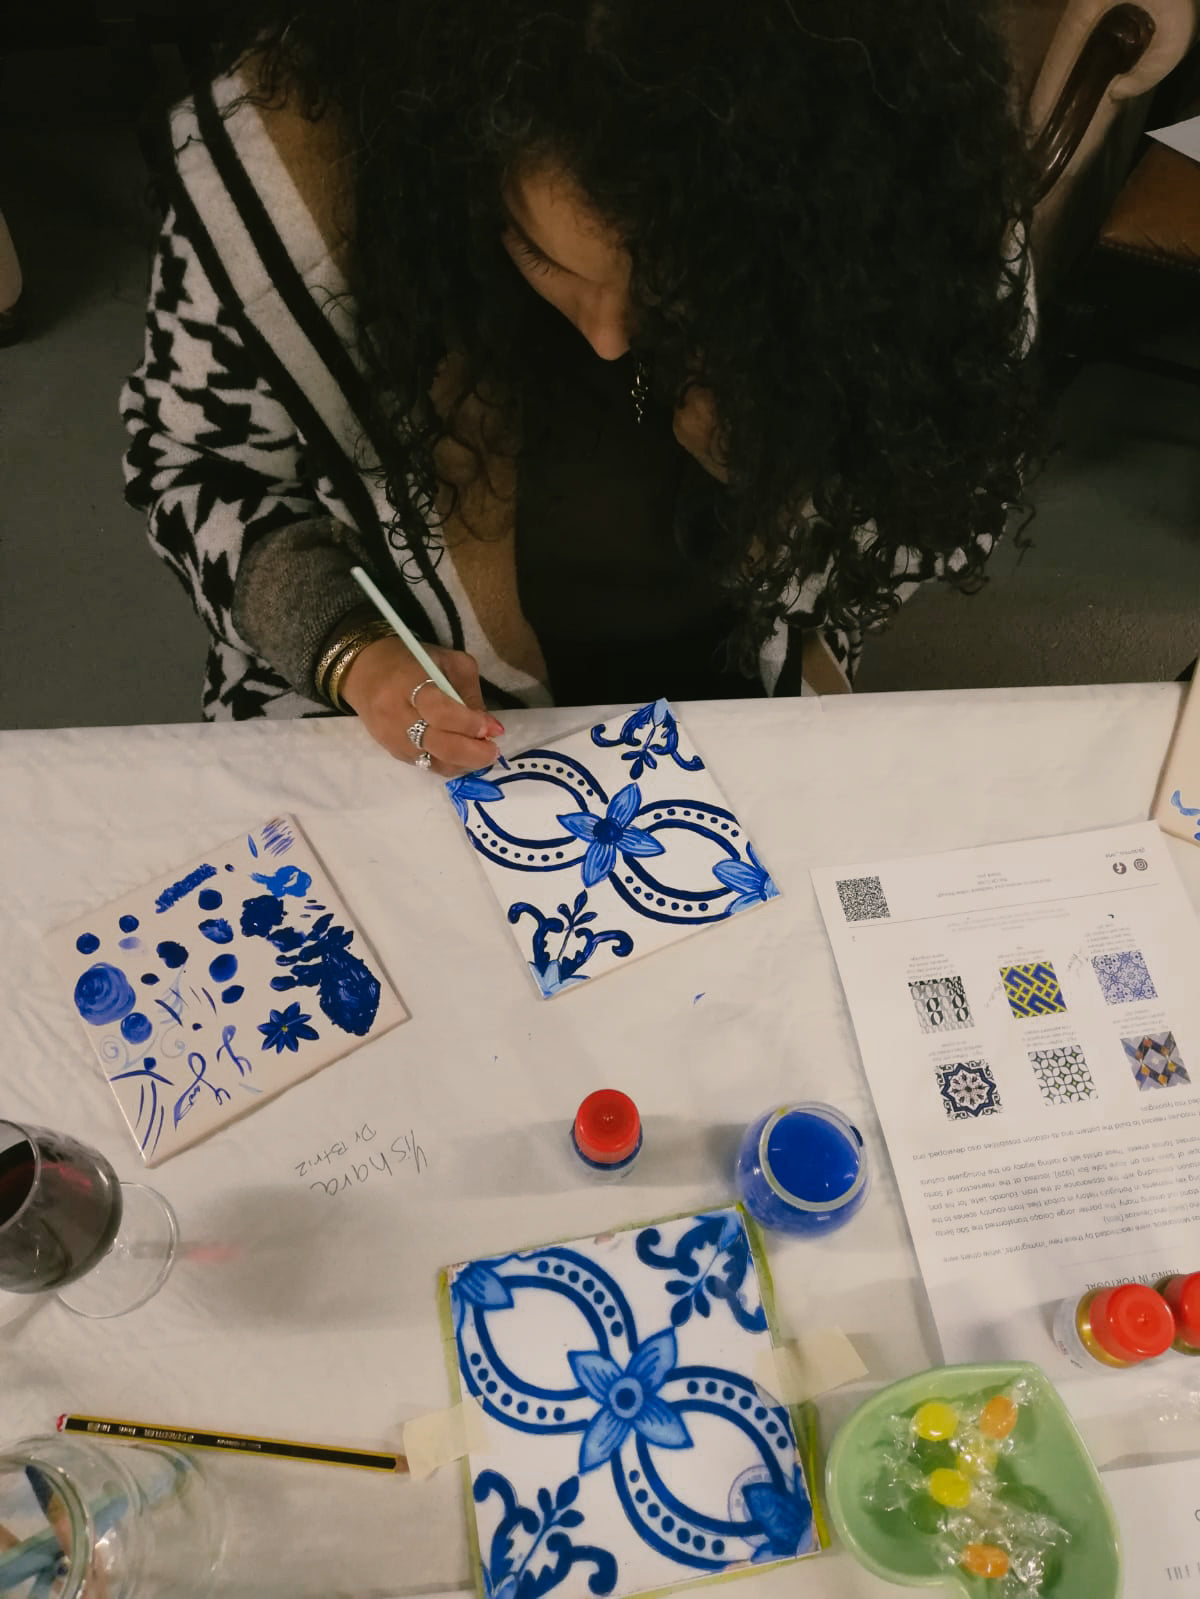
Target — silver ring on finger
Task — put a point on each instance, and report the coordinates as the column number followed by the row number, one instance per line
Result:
column 424, row 761
column 426, row 682
column 416, row 733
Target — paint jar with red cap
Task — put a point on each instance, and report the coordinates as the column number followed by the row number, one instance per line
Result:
column 607, row 1133
column 1182, row 1294
column 1114, row 1328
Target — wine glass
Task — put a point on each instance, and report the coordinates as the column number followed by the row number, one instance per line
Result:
column 70, row 1226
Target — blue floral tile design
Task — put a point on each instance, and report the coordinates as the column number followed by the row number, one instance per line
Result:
column 1123, row 977
column 630, row 1446
column 612, row 844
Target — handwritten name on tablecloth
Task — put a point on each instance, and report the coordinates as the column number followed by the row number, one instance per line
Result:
column 341, row 1175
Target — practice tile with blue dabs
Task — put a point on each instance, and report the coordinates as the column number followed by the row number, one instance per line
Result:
column 613, row 843
column 216, row 987
column 632, row 1440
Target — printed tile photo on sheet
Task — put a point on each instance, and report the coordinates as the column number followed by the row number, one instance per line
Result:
column 612, row 844
column 632, row 1444
column 214, row 988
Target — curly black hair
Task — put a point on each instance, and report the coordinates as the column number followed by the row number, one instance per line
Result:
column 818, row 198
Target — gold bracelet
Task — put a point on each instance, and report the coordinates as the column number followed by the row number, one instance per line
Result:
column 337, row 659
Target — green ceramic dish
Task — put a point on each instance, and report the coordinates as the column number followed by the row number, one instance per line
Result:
column 1050, row 1460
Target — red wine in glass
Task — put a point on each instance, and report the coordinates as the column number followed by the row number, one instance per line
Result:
column 60, row 1209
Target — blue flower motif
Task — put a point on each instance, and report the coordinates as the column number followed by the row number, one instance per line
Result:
column 712, row 1260
column 478, row 1285
column 286, row 1028
column 471, row 787
column 610, row 834
column 553, row 973
column 750, row 878
column 628, row 1399
column 662, row 738
column 785, row 1517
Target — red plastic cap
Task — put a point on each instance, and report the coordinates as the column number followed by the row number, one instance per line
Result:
column 1132, row 1322
column 607, row 1126
column 1183, row 1296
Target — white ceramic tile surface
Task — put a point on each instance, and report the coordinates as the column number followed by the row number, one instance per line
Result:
column 218, row 986
column 607, row 845
column 629, row 1446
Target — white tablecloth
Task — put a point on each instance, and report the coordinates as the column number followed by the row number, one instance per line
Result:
column 299, row 1314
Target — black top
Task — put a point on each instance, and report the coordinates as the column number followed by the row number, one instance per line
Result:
column 619, row 610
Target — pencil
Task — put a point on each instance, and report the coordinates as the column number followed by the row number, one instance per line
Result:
column 390, row 615
column 231, row 1442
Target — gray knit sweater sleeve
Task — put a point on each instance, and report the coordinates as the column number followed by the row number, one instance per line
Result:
column 293, row 590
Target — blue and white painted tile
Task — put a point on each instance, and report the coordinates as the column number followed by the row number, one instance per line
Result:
column 212, row 989
column 614, row 842
column 630, row 1447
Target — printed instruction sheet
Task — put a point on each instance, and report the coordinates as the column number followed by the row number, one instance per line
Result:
column 1158, row 1510
column 1029, row 1021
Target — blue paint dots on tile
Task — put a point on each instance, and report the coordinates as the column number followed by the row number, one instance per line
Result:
column 136, row 1028
column 130, row 943
column 150, row 978
column 232, row 994
column 128, row 924
column 171, row 954
column 559, row 1413
column 209, row 899
column 103, row 995
column 87, row 943
column 668, row 1523
column 641, row 1496
column 217, row 930
column 260, row 915
column 228, row 868
column 149, row 1062
column 195, row 1027
column 223, row 968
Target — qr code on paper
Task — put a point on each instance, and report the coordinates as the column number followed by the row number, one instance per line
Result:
column 862, row 899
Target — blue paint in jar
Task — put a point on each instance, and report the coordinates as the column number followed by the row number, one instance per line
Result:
column 803, row 1169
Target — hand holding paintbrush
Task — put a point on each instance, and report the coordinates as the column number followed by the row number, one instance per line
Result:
column 421, row 702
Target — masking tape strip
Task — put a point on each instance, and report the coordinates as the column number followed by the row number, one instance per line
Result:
column 808, row 1366
column 444, row 1435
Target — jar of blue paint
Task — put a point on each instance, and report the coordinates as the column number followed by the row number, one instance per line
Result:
column 803, row 1169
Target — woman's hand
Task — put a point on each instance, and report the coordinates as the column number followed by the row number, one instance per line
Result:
column 697, row 429
column 378, row 685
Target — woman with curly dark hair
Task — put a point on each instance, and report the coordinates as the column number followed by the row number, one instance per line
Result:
column 636, row 347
